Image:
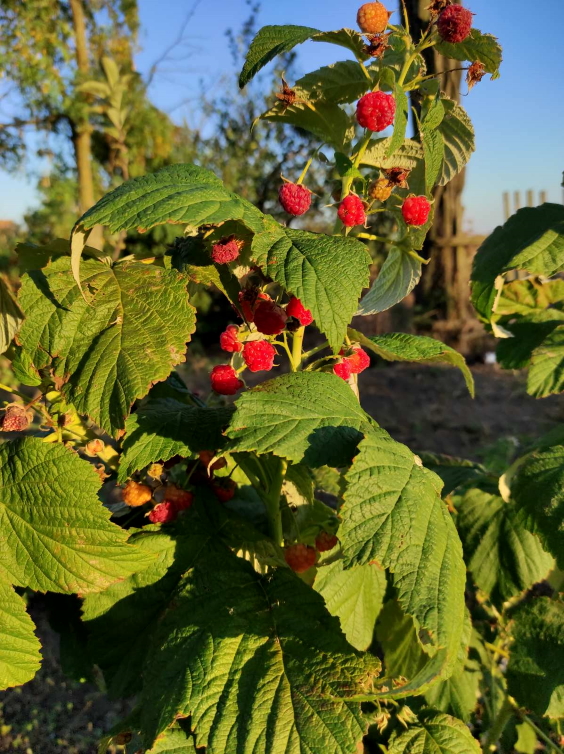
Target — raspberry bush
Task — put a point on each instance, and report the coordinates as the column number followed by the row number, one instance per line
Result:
column 273, row 572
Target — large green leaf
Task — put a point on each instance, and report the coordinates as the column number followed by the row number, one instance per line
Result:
column 400, row 120
column 20, row 655
column 401, row 346
column 459, row 141
column 538, row 490
column 305, row 416
column 348, row 38
column 165, row 427
column 546, row 372
column 270, row 42
column 477, row 47
column 408, row 155
column 326, row 120
column 11, row 316
column 344, row 81
column 393, row 514
column 122, row 619
column 107, row 350
column 503, row 557
column 257, row 662
column 327, row 273
column 398, row 276
column 535, row 674
column 516, row 352
column 355, row 596
column 435, row 732
column 531, row 240
column 536, row 299
column 185, row 194
column 54, row 532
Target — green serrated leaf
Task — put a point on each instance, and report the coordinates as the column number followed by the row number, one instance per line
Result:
column 393, row 514
column 122, row 619
column 515, row 352
column 20, row 655
column 269, row 42
column 546, row 372
column 408, row 155
column 173, row 741
column 106, row 351
column 348, row 38
column 503, row 557
column 399, row 346
column 535, row 674
column 434, row 151
column 185, row 194
column 477, row 47
column 458, row 136
column 531, row 240
column 329, row 122
column 538, row 491
column 355, row 596
column 163, row 428
column 400, row 121
column 398, row 276
column 435, row 732
column 537, row 300
column 305, row 416
column 327, row 273
column 341, row 82
column 50, row 511
column 257, row 662
column 11, row 316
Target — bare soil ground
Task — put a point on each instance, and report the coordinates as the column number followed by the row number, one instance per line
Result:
column 428, row 408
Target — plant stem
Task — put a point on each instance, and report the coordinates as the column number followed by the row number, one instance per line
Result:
column 272, row 502
column 284, row 345
column 315, row 350
column 498, row 725
column 297, row 343
column 362, row 146
column 540, row 733
column 306, row 168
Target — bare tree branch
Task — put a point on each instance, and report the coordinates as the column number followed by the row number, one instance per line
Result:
column 177, row 42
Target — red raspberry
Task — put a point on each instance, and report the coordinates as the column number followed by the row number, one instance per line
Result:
column 228, row 339
column 325, row 541
column 248, row 299
column 415, row 209
column 357, row 359
column 342, row 369
column 227, row 250
column 135, row 494
column 163, row 513
column 296, row 309
column 224, row 489
column 376, row 111
column 455, row 24
column 372, row 18
column 16, row 419
column 259, row 355
column 181, row 499
column 295, row 199
column 269, row 318
column 351, row 211
column 300, row 557
column 224, row 380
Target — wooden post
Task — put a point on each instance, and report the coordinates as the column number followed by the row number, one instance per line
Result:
column 516, row 200
column 506, row 206
column 542, row 197
column 530, row 198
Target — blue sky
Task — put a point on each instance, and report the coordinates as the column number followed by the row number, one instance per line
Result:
column 519, row 119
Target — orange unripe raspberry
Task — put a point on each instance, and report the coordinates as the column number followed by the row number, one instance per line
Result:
column 325, row 541
column 300, row 557
column 380, row 190
column 135, row 494
column 372, row 18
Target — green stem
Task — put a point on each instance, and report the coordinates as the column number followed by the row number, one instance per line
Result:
column 362, row 146
column 315, row 350
column 284, row 345
column 498, row 725
column 306, row 168
column 297, row 343
column 13, row 391
column 541, row 734
column 272, row 502
column 371, row 237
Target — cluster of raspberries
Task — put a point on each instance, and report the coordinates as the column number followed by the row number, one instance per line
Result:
column 269, row 319
column 354, row 360
column 302, row 557
column 175, row 500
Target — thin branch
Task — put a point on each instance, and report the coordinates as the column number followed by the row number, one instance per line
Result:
column 177, row 42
